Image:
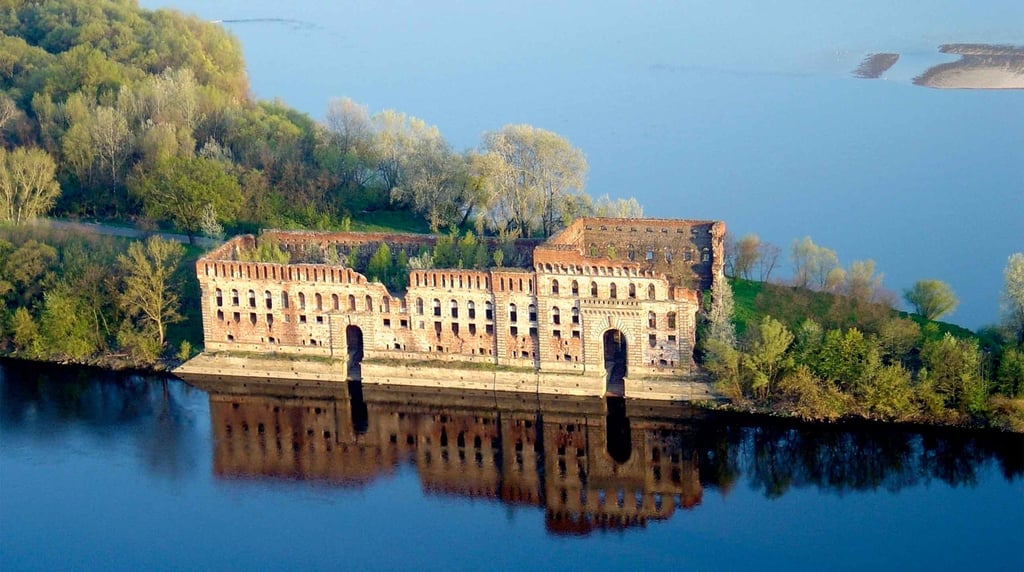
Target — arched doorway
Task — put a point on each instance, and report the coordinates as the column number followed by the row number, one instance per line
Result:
column 354, row 341
column 615, row 363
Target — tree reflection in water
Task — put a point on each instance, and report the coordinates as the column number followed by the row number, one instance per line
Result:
column 588, row 463
column 46, row 401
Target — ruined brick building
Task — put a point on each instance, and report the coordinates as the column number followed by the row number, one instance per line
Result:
column 605, row 306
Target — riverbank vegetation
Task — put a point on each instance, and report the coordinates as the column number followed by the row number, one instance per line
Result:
column 830, row 345
column 112, row 112
column 120, row 98
column 83, row 298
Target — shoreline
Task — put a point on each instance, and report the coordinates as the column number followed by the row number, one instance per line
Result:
column 296, row 382
column 981, row 66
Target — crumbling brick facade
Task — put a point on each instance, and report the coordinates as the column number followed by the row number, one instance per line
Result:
column 605, row 297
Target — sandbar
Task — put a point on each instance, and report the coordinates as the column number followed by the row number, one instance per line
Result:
column 981, row 66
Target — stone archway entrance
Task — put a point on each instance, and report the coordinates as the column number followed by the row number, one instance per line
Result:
column 615, row 363
column 354, row 342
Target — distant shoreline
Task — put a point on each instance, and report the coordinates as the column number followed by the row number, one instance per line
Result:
column 874, row 65
column 981, row 66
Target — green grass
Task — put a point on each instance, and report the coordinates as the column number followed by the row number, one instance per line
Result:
column 390, row 221
column 753, row 300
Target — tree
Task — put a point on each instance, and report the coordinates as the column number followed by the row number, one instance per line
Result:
column 1013, row 297
column 953, row 369
column 379, row 266
column 748, row 251
column 719, row 314
column 8, row 110
column 531, row 172
column 149, row 294
column 861, row 281
column 766, row 357
column 768, row 257
column 27, row 184
column 185, row 190
column 931, row 298
column 813, row 264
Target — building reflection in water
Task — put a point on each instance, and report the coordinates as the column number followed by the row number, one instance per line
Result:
column 581, row 460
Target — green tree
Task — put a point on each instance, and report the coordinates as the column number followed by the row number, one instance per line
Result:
column 766, row 357
column 28, row 187
column 149, row 294
column 380, row 268
column 26, row 333
column 1010, row 375
column 953, row 368
column 65, row 324
column 931, row 298
column 186, row 190
column 1013, row 297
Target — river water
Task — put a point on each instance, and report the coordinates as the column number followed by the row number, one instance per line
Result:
column 120, row 472
column 740, row 111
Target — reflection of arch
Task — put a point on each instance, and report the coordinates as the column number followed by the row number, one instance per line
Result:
column 619, row 440
column 615, row 360
column 354, row 342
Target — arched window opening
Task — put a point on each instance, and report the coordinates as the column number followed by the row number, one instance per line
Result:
column 369, row 303
column 455, row 309
column 512, row 314
column 489, row 310
column 268, row 299
column 533, row 313
column 650, row 292
column 593, row 289
column 554, row 287
column 437, row 307
column 575, row 288
column 220, row 298
column 252, row 299
column 351, row 303
column 335, row 302
column 302, row 301
column 284, row 300
column 555, row 316
column 575, row 315
column 419, row 306
column 632, row 291
column 319, row 302
column 234, row 297
column 385, row 305
column 671, row 320
column 471, row 308
column 613, row 291
column 652, row 320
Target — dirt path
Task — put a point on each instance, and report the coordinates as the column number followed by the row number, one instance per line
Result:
column 123, row 231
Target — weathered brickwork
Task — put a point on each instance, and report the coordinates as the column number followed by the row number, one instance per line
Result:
column 634, row 282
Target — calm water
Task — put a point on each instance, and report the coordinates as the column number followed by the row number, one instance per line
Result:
column 741, row 111
column 102, row 471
